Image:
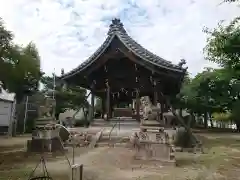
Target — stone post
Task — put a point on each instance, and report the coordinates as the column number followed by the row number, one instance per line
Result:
column 76, row 172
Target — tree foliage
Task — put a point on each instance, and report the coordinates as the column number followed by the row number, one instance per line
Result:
column 223, row 46
column 70, row 97
column 19, row 66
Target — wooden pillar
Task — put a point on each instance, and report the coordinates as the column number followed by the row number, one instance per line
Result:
column 103, row 106
column 137, row 106
column 155, row 94
column 162, row 102
column 111, row 106
column 92, row 105
column 108, row 100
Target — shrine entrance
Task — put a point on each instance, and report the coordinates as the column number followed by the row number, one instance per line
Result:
column 121, row 71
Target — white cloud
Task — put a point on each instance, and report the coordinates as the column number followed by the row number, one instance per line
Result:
column 66, row 32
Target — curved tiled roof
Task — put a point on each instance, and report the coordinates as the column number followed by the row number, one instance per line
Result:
column 117, row 29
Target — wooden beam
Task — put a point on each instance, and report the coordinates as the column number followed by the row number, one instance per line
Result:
column 102, row 60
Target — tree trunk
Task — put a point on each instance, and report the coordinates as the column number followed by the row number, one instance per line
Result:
column 188, row 129
column 210, row 118
column 19, row 116
column 180, row 112
column 193, row 119
column 86, row 113
column 205, row 120
column 57, row 116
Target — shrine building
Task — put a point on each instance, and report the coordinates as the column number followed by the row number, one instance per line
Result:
column 122, row 70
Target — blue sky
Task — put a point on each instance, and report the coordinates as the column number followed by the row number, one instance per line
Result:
column 67, row 32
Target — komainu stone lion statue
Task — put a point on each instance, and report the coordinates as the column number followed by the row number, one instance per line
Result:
column 149, row 110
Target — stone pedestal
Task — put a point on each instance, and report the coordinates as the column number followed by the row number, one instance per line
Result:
column 45, row 137
column 155, row 147
column 44, row 145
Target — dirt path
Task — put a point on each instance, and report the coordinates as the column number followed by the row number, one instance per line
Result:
column 116, row 163
column 14, row 141
column 62, row 165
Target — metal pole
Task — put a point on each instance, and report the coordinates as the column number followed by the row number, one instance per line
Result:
column 12, row 119
column 25, row 115
column 54, row 84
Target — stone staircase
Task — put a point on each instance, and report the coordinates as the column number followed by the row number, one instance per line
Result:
column 116, row 131
column 125, row 122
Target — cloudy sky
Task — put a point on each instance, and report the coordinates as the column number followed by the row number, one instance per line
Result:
column 66, row 32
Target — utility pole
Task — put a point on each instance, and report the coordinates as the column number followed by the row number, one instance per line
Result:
column 54, row 83
column 25, row 115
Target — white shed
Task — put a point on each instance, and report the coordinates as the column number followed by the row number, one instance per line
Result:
column 7, row 107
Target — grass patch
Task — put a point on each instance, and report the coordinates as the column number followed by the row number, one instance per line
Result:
column 222, row 159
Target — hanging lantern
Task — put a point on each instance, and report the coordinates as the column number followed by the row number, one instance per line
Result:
column 105, row 68
column 136, row 79
column 106, row 82
column 137, row 91
column 136, row 67
column 154, row 83
column 151, row 79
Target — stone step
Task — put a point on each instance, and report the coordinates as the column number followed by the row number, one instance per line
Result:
column 96, row 138
column 104, row 144
column 112, row 123
column 113, row 138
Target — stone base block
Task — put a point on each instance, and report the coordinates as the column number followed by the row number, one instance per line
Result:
column 155, row 151
column 44, row 145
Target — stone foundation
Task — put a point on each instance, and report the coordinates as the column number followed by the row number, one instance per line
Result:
column 154, row 147
column 155, row 151
column 45, row 140
column 44, row 145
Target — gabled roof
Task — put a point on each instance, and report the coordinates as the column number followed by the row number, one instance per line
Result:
column 117, row 30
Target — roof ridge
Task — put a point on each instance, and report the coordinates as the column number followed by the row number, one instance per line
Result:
column 117, row 28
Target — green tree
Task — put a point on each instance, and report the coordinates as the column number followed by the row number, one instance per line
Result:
column 223, row 48
column 206, row 93
column 19, row 66
column 70, row 97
